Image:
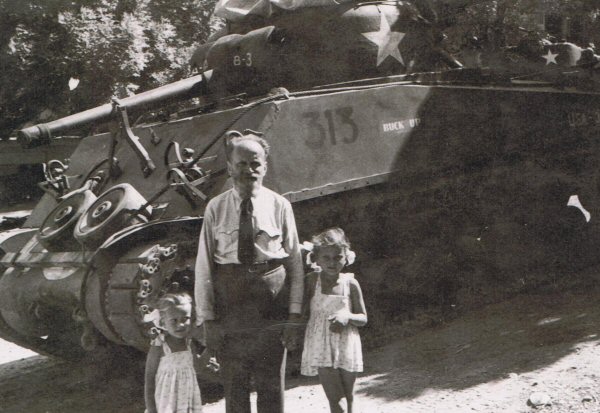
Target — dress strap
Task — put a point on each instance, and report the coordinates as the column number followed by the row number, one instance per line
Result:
column 158, row 340
column 318, row 285
column 166, row 348
column 346, row 278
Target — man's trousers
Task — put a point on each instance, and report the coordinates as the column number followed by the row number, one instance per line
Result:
column 251, row 352
column 246, row 356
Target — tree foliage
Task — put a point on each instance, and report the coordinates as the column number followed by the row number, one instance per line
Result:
column 500, row 23
column 113, row 47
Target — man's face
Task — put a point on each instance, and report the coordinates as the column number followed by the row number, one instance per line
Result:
column 247, row 166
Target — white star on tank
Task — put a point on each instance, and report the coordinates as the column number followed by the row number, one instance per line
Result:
column 550, row 57
column 387, row 41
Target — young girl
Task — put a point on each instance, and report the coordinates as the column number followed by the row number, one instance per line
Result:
column 332, row 347
column 171, row 384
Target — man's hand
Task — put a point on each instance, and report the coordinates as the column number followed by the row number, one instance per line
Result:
column 198, row 334
column 214, row 335
column 291, row 333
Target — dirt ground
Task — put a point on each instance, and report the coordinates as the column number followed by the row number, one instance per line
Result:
column 491, row 360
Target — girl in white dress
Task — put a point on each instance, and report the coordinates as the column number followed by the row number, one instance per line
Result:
column 171, row 384
column 332, row 347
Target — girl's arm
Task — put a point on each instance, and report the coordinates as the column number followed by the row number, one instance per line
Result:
column 359, row 312
column 152, row 361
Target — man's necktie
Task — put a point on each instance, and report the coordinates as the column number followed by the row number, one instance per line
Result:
column 246, row 235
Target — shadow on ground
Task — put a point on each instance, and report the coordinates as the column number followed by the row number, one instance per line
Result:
column 518, row 336
column 47, row 385
column 525, row 334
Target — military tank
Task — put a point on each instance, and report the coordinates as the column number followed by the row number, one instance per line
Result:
column 455, row 185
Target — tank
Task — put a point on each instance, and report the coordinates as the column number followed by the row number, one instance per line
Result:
column 456, row 186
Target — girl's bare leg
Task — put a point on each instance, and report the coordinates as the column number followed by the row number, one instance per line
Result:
column 348, row 379
column 331, row 381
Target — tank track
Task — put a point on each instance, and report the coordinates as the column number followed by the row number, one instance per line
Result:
column 54, row 345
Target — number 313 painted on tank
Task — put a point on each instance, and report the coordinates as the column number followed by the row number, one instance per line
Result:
column 317, row 134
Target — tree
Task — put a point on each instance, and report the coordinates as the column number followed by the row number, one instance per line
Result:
column 112, row 47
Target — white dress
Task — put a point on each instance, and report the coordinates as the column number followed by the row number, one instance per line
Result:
column 324, row 348
column 176, row 388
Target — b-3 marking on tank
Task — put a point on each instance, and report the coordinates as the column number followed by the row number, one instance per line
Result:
column 245, row 59
column 400, row 125
column 338, row 121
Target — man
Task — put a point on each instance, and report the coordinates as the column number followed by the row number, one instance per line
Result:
column 248, row 244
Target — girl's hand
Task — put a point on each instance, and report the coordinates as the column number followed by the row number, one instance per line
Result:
column 340, row 317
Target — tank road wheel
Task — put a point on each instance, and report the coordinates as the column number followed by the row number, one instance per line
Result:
column 114, row 210
column 56, row 232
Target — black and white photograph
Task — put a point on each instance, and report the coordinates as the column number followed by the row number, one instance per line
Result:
column 298, row 206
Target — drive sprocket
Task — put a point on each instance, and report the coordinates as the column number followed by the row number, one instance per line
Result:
column 133, row 285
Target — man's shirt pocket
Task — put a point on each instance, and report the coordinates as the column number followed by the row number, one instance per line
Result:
column 226, row 237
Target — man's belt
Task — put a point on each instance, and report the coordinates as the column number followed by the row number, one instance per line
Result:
column 250, row 290
column 251, row 269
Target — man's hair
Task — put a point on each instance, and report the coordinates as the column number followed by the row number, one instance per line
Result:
column 234, row 137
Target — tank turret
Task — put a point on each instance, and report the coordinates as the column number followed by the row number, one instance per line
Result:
column 300, row 47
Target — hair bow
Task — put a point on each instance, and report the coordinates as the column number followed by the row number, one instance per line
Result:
column 309, row 247
column 350, row 256
column 152, row 317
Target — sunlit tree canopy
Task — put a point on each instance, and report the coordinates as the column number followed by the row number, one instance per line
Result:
column 104, row 47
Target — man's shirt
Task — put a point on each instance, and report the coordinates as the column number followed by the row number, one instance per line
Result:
column 275, row 237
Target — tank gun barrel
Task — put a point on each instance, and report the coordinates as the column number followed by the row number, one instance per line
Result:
column 41, row 134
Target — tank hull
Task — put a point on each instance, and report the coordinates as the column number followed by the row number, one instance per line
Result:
column 451, row 195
